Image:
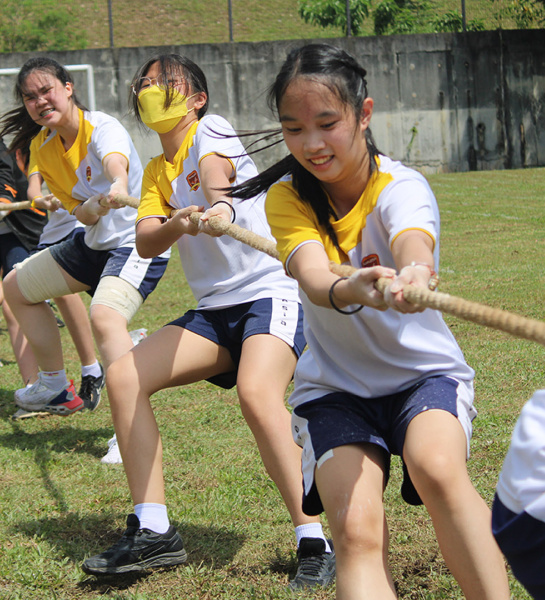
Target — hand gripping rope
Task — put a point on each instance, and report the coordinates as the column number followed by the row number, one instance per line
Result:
column 516, row 325
column 120, row 198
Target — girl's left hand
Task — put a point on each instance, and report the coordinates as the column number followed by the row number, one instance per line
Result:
column 416, row 275
column 220, row 209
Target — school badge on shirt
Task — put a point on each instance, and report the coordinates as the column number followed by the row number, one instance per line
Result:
column 193, row 181
column 371, row 260
column 88, row 173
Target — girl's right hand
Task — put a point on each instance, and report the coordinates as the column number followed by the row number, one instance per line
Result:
column 48, row 202
column 362, row 285
column 180, row 220
column 93, row 206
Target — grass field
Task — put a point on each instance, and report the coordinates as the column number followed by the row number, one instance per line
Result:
column 59, row 504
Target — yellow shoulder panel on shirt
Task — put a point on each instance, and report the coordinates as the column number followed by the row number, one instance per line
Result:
column 48, row 158
column 349, row 228
column 156, row 190
column 293, row 222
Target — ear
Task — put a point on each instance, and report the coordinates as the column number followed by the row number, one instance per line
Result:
column 199, row 100
column 69, row 88
column 366, row 113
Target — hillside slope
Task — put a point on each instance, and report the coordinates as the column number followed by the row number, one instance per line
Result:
column 175, row 22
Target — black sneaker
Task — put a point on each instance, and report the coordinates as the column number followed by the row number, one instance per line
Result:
column 138, row 550
column 316, row 567
column 91, row 388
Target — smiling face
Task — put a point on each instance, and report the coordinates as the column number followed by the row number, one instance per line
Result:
column 324, row 135
column 47, row 100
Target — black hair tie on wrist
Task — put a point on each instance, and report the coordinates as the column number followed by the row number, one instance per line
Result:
column 332, row 302
column 234, row 214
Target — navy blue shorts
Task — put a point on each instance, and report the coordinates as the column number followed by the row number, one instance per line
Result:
column 229, row 327
column 88, row 266
column 521, row 538
column 340, row 418
column 40, row 246
column 12, row 251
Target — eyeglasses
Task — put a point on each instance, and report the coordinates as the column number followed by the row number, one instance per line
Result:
column 147, row 82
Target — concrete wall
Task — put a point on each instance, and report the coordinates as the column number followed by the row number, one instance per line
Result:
column 445, row 102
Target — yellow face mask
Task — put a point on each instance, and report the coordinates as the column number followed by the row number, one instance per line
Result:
column 152, row 111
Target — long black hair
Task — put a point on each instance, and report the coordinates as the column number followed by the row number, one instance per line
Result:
column 17, row 122
column 345, row 77
column 171, row 67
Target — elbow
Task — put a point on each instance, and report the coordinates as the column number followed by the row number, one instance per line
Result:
column 143, row 249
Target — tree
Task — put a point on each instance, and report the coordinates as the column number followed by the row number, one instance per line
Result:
column 38, row 25
column 452, row 21
column 332, row 13
column 399, row 16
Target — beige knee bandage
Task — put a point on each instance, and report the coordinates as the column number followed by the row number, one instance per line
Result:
column 39, row 278
column 118, row 294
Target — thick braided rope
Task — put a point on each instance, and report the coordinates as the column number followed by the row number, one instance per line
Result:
column 239, row 233
column 120, row 198
column 5, row 206
column 529, row 329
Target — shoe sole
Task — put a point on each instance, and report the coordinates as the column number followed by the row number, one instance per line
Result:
column 27, row 414
column 63, row 410
column 168, row 560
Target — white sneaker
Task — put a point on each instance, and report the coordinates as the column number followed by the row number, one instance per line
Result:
column 113, row 456
column 137, row 335
column 37, row 396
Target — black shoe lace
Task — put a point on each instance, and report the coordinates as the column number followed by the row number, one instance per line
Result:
column 124, row 540
column 86, row 387
column 310, row 566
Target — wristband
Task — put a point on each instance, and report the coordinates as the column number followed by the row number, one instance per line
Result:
column 434, row 277
column 33, row 203
column 233, row 215
column 332, row 302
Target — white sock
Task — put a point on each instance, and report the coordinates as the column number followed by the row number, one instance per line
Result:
column 311, row 530
column 93, row 370
column 54, row 380
column 152, row 516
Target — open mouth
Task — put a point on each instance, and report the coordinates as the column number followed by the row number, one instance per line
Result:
column 320, row 160
column 46, row 112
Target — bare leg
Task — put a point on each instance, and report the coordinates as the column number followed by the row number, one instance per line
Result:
column 26, row 361
column 74, row 313
column 38, row 322
column 350, row 485
column 111, row 335
column 435, row 454
column 170, row 357
column 266, row 368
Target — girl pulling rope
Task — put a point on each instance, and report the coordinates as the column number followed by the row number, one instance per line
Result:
column 246, row 329
column 374, row 382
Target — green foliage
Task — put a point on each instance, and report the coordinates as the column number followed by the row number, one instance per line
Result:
column 399, row 16
column 452, row 21
column 527, row 13
column 332, row 13
column 26, row 25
